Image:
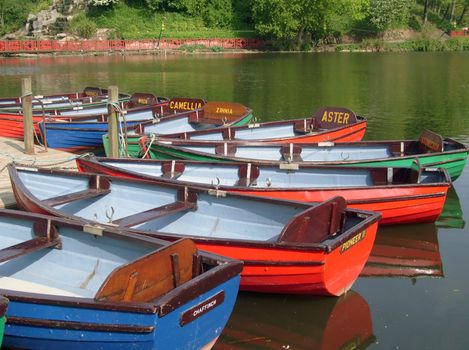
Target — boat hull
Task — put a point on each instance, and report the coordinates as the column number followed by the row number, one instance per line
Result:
column 407, row 205
column 49, row 325
column 75, row 136
column 288, row 271
column 12, row 126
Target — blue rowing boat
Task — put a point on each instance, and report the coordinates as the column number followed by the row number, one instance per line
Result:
column 86, row 134
column 79, row 286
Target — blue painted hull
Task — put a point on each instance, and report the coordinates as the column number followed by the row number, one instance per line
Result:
column 167, row 333
column 72, row 136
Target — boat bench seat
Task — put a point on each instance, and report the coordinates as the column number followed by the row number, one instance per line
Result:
column 47, row 236
column 155, row 213
column 75, row 196
column 98, row 186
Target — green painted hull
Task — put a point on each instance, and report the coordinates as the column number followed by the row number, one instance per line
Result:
column 453, row 162
column 133, row 147
column 2, row 329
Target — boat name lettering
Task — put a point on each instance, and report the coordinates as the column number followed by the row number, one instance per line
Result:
column 185, row 105
column 432, row 141
column 335, row 117
column 222, row 110
column 202, row 308
column 352, row 241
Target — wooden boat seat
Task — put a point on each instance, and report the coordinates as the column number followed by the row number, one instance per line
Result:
column 186, row 201
column 306, row 126
column 398, row 148
column 248, row 174
column 225, row 149
column 228, row 134
column 154, row 213
column 316, row 224
column 47, row 236
column 152, row 275
column 172, row 169
column 98, row 186
column 291, row 152
column 75, row 196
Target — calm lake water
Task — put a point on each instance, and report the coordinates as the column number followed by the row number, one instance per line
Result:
column 417, row 301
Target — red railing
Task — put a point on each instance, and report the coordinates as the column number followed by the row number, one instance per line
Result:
column 462, row 32
column 39, row 46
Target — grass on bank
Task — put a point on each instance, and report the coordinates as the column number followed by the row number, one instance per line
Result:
column 418, row 44
column 130, row 22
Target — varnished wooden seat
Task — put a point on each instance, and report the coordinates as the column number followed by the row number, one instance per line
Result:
column 98, row 186
column 75, row 196
column 155, row 213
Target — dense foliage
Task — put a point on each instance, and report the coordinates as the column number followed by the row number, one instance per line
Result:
column 13, row 13
column 291, row 24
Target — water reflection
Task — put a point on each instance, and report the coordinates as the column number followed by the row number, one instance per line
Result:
column 411, row 251
column 293, row 322
column 452, row 214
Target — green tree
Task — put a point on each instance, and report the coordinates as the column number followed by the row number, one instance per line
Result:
column 297, row 22
column 386, row 14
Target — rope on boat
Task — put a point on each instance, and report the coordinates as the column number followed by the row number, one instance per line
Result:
column 152, row 139
column 34, row 160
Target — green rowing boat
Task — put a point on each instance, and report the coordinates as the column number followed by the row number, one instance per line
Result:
column 430, row 149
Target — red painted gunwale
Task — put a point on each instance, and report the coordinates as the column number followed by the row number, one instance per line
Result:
column 398, row 204
column 270, row 267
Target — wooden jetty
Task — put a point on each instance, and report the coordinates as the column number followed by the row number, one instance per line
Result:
column 13, row 151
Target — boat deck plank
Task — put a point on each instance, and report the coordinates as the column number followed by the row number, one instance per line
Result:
column 12, row 150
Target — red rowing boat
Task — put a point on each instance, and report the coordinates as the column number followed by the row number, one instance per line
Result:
column 328, row 124
column 287, row 247
column 401, row 195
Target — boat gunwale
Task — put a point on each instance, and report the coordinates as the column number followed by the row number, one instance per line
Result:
column 368, row 217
